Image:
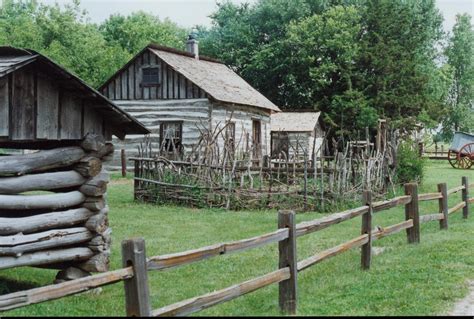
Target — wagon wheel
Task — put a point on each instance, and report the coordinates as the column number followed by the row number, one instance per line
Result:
column 466, row 156
column 453, row 159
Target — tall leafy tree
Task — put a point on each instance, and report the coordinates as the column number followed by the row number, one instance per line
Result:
column 355, row 60
column 135, row 31
column 322, row 73
column 460, row 58
column 63, row 34
column 398, row 57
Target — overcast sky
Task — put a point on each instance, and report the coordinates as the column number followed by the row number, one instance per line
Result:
column 188, row 13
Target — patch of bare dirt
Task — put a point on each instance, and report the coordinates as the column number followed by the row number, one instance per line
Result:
column 121, row 181
column 465, row 306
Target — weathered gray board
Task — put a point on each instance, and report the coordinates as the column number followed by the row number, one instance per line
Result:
column 35, row 108
column 4, row 103
column 126, row 84
column 194, row 115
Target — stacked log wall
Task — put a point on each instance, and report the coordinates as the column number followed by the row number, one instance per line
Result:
column 194, row 115
column 53, row 208
column 243, row 118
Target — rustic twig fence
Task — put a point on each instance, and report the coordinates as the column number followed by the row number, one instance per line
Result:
column 136, row 264
column 219, row 173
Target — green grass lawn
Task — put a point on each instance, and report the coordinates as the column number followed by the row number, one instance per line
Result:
column 422, row 279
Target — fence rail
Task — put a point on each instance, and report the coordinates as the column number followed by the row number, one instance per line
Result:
column 137, row 265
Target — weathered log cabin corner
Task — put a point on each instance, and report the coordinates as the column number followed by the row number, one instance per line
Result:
column 67, row 128
column 178, row 94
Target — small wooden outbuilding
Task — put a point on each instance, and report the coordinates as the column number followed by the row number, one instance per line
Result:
column 67, row 127
column 294, row 134
column 178, row 95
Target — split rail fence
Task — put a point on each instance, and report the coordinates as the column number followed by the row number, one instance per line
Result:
column 136, row 264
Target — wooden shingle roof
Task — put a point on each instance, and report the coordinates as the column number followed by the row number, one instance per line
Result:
column 294, row 121
column 216, row 79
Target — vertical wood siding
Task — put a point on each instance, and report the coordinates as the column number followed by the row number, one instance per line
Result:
column 22, row 126
column 243, row 117
column 34, row 107
column 193, row 114
column 48, row 110
column 126, row 85
column 71, row 117
column 4, row 107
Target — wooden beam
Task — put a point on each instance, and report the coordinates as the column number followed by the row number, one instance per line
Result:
column 429, row 196
column 305, row 228
column 455, row 190
column 52, row 292
column 390, row 203
column 196, row 304
column 390, row 230
column 456, row 207
column 46, row 257
column 331, row 252
column 31, row 224
column 51, row 202
column 40, row 182
column 40, row 161
column 431, row 217
column 17, row 245
column 190, row 256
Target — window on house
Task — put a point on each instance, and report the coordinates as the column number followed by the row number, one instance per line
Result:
column 171, row 135
column 150, row 76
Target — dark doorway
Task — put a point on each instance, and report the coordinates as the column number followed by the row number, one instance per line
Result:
column 257, row 139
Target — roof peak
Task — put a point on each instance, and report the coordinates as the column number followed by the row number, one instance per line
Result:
column 12, row 51
column 181, row 52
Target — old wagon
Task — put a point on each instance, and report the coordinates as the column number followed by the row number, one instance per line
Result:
column 461, row 151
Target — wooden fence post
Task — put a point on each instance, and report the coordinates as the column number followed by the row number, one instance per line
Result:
column 137, row 295
column 443, row 205
column 366, row 251
column 123, row 160
column 412, row 212
column 465, row 197
column 287, row 254
column 136, row 183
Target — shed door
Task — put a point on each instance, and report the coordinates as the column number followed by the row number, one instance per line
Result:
column 257, row 139
column 280, row 144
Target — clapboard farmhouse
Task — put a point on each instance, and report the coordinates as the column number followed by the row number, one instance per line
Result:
column 294, row 134
column 178, row 94
column 66, row 127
